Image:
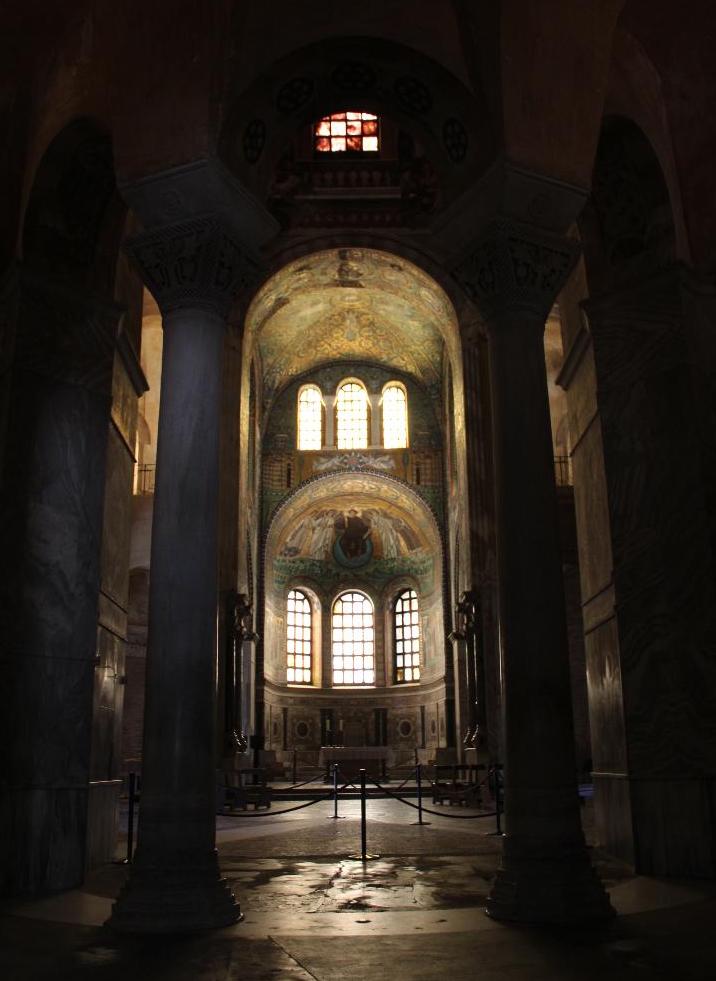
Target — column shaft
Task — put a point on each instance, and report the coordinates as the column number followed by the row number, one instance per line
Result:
column 545, row 874
column 175, row 881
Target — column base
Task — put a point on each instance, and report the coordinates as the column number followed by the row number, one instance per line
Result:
column 557, row 888
column 178, row 899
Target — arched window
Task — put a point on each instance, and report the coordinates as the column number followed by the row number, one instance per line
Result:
column 351, row 416
column 351, row 132
column 310, row 418
column 395, row 416
column 407, row 637
column 298, row 638
column 353, row 640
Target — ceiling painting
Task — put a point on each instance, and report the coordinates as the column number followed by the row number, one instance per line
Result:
column 347, row 305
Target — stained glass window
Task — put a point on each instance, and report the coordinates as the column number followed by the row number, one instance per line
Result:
column 298, row 638
column 351, row 416
column 395, row 416
column 310, row 418
column 353, row 640
column 346, row 132
column 407, row 637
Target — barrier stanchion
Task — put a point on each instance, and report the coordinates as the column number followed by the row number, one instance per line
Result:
column 364, row 856
column 130, row 816
column 295, row 767
column 497, row 789
column 363, row 829
column 419, row 782
column 334, row 816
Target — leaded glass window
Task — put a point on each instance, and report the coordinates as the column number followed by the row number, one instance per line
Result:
column 298, row 638
column 407, row 637
column 346, row 132
column 310, row 418
column 353, row 640
column 351, row 416
column 395, row 416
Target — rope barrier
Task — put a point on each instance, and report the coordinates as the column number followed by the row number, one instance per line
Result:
column 286, row 810
column 427, row 810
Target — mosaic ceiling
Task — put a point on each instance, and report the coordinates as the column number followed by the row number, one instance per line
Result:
column 348, row 305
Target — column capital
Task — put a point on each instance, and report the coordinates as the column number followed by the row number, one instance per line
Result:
column 516, row 268
column 197, row 263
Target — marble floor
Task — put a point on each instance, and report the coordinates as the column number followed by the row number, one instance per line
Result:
column 415, row 911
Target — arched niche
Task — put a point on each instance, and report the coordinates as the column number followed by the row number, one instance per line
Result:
column 354, row 530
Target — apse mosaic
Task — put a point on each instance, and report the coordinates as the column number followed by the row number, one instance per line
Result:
column 357, row 524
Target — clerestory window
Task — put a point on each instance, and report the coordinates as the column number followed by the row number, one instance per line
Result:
column 353, row 640
column 394, row 404
column 407, row 637
column 298, row 638
column 351, row 416
column 349, row 133
column 310, row 418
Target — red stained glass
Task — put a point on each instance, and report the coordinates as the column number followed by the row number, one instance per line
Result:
column 353, row 132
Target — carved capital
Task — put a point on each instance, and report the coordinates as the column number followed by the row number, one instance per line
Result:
column 516, row 268
column 197, row 263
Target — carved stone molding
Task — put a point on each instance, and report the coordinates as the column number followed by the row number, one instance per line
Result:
column 516, row 268
column 197, row 263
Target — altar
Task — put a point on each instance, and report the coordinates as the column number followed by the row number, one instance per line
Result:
column 352, row 759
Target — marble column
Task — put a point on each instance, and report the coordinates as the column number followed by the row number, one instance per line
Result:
column 513, row 274
column 194, row 269
column 51, row 530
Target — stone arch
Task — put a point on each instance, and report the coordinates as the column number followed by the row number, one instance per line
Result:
column 74, row 217
column 627, row 227
column 381, row 76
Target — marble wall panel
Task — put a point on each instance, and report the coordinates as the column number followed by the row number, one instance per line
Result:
column 675, row 826
column 116, row 524
column 42, row 839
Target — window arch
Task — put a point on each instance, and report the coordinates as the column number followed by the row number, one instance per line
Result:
column 406, row 634
column 298, row 638
column 353, row 640
column 351, row 415
column 394, row 403
column 310, row 418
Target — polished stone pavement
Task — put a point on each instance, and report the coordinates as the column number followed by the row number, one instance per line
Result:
column 415, row 912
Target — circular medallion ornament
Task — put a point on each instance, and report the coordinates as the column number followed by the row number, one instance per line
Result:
column 412, row 94
column 254, row 139
column 302, row 730
column 354, row 75
column 294, row 94
column 455, row 139
column 405, row 728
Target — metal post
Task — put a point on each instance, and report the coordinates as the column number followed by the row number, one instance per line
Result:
column 295, row 765
column 498, row 798
column 335, row 790
column 363, row 841
column 419, row 781
column 130, row 817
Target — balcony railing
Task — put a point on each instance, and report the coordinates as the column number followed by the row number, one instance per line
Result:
column 563, row 471
column 145, row 479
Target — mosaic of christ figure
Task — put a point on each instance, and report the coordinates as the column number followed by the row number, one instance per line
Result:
column 353, row 534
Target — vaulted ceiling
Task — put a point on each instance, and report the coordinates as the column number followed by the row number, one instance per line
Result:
column 348, row 305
